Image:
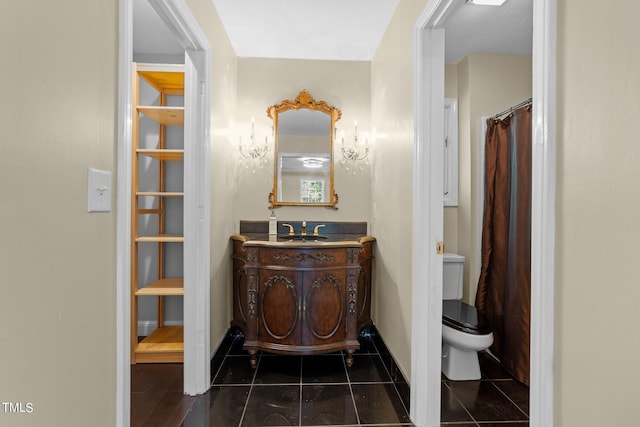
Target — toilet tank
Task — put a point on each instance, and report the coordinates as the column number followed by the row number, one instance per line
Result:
column 452, row 274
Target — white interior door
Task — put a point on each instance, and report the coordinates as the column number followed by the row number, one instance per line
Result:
column 427, row 270
column 427, row 227
column 197, row 184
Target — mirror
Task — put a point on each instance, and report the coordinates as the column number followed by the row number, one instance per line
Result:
column 303, row 163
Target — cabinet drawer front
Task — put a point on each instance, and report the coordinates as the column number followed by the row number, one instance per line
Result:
column 304, row 258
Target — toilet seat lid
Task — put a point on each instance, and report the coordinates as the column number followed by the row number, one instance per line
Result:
column 464, row 317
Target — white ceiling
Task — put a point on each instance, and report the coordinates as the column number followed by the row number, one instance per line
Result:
column 340, row 29
column 506, row 29
column 150, row 34
column 306, row 29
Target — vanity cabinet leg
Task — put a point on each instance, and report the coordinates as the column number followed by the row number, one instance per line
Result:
column 254, row 358
column 349, row 358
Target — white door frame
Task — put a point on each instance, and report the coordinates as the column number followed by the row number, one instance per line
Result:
column 197, row 207
column 427, row 223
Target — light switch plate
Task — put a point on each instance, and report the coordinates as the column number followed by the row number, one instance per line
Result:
column 99, row 191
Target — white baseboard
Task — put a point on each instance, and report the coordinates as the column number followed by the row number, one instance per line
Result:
column 145, row 327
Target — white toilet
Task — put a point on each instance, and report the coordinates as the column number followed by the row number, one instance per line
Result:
column 465, row 331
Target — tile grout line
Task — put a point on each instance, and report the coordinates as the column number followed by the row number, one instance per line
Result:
column 510, row 400
column 509, row 423
column 350, row 383
column 224, row 359
column 246, row 403
column 230, row 355
column 494, row 380
column 300, row 382
column 353, row 399
column 459, row 401
column 391, row 378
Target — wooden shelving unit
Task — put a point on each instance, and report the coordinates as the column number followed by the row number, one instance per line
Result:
column 166, row 155
column 165, row 343
column 172, row 286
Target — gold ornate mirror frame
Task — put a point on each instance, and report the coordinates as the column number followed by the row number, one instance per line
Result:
column 304, row 100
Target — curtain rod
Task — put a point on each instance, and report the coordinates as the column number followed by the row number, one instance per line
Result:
column 515, row 107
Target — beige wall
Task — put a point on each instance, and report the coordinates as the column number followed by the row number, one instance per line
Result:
column 265, row 82
column 484, row 85
column 57, row 262
column 224, row 68
column 392, row 112
column 596, row 357
column 598, row 198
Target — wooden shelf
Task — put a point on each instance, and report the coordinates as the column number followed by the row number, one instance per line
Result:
column 164, row 238
column 162, row 154
column 170, row 116
column 166, row 287
column 170, row 82
column 149, row 211
column 160, row 194
column 164, row 345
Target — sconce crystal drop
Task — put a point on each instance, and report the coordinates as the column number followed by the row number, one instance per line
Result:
column 253, row 152
column 354, row 155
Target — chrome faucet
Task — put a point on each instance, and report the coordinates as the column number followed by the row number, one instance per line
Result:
column 304, row 228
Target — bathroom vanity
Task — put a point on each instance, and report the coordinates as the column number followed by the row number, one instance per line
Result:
column 299, row 293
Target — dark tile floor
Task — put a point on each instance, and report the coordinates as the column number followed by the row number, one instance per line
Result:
column 318, row 390
column 314, row 390
column 495, row 400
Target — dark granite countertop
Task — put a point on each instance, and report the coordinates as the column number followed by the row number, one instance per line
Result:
column 264, row 239
column 334, row 234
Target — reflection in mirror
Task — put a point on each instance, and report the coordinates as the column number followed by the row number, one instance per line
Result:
column 304, row 156
column 304, row 163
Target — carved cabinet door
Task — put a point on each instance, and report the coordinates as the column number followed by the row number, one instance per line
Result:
column 279, row 306
column 324, row 305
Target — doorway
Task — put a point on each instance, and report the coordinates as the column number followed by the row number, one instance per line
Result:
column 427, row 276
column 197, row 185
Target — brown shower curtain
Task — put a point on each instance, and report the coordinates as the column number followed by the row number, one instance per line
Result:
column 504, row 287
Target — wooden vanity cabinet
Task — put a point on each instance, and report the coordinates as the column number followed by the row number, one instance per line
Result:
column 240, row 301
column 301, row 299
column 365, row 259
